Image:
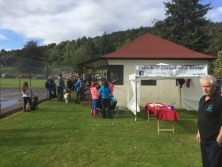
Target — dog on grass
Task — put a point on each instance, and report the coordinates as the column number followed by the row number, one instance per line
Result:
column 66, row 97
column 33, row 105
column 28, row 107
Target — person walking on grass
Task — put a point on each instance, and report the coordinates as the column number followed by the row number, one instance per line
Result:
column 26, row 95
column 209, row 133
column 49, row 85
column 95, row 97
column 69, row 86
column 105, row 92
column 60, row 87
column 80, row 88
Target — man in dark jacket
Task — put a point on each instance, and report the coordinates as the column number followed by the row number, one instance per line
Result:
column 49, row 85
column 69, row 86
column 209, row 133
column 60, row 87
column 79, row 90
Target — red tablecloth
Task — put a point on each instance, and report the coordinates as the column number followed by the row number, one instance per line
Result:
column 162, row 113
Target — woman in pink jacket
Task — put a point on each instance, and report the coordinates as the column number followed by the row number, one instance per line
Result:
column 95, row 98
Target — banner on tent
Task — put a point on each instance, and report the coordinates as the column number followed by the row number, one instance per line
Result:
column 171, row 71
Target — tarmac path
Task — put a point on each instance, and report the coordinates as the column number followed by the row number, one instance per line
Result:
column 11, row 99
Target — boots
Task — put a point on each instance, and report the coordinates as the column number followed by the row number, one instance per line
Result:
column 94, row 114
column 24, row 108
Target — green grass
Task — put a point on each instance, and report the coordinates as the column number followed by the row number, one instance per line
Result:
column 63, row 135
column 17, row 83
column 15, row 71
column 10, row 70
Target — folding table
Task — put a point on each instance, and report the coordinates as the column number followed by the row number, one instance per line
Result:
column 162, row 113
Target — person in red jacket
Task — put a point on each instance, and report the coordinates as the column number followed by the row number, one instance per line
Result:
column 111, row 87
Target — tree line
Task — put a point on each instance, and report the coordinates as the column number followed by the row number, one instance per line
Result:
column 185, row 25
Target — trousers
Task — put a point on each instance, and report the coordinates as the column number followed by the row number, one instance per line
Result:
column 211, row 154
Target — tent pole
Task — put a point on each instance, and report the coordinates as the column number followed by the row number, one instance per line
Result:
column 180, row 97
column 179, row 92
column 128, row 87
column 136, row 98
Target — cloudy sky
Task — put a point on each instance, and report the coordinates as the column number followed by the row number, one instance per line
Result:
column 53, row 21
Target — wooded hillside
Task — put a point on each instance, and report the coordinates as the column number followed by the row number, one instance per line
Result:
column 185, row 25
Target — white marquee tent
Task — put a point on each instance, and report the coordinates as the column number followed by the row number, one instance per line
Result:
column 189, row 96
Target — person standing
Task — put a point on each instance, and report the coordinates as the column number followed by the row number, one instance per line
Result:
column 209, row 133
column 79, row 90
column 99, row 81
column 26, row 95
column 111, row 87
column 74, row 82
column 95, row 97
column 60, row 87
column 105, row 91
column 53, row 88
column 69, row 85
column 49, row 87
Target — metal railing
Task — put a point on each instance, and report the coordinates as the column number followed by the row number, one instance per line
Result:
column 32, row 71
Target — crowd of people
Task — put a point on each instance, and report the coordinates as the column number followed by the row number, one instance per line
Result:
column 101, row 92
column 100, row 89
column 56, row 88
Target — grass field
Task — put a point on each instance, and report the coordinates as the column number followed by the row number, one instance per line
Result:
column 63, row 135
column 15, row 71
column 17, row 83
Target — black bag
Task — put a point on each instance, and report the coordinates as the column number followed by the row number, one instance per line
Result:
column 53, row 95
column 82, row 85
column 60, row 82
column 46, row 85
column 69, row 84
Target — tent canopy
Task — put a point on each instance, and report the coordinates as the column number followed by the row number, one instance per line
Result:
column 161, row 72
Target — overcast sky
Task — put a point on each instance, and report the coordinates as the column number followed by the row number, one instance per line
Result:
column 53, row 21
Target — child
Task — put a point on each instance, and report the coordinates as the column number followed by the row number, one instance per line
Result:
column 95, row 97
column 26, row 92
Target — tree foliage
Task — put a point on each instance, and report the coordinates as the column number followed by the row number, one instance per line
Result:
column 32, row 51
column 218, row 66
column 214, row 30
column 185, row 24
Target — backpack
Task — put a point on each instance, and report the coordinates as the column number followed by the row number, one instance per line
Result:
column 60, row 82
column 69, row 84
column 46, row 85
column 81, row 85
column 113, row 101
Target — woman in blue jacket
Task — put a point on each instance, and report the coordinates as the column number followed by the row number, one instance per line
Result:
column 105, row 92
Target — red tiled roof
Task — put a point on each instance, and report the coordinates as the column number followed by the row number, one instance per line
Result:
column 152, row 47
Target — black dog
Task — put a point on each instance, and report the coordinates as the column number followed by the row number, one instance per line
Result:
column 34, row 105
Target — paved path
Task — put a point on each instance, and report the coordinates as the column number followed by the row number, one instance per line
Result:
column 11, row 99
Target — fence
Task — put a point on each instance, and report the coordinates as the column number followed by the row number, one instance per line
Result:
column 32, row 71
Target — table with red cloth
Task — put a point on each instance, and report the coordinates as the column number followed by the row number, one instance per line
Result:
column 162, row 113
